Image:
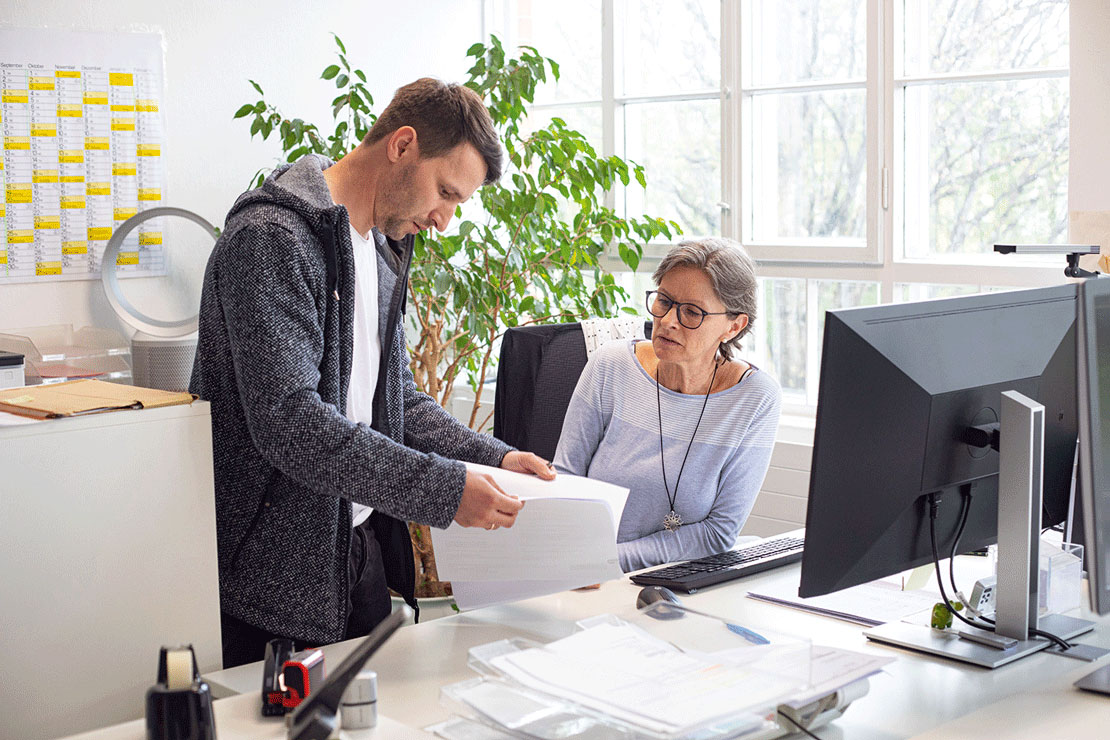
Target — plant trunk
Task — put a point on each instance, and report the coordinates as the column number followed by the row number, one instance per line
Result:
column 427, row 577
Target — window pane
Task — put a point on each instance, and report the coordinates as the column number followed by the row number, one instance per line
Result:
column 777, row 342
column 570, row 33
column 808, row 160
column 834, row 294
column 668, row 46
column 977, row 35
column 985, row 162
column 807, row 40
column 679, row 145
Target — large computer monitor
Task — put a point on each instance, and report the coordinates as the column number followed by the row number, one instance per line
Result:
column 899, row 386
column 1093, row 330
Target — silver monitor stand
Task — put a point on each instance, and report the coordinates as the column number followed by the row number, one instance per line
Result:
column 1020, row 483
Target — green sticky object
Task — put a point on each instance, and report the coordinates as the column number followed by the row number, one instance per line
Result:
column 942, row 617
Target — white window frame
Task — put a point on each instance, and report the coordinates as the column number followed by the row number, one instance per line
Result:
column 878, row 259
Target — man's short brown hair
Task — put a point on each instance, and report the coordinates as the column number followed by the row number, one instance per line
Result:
column 444, row 116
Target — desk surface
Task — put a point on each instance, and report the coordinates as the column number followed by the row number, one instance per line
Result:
column 238, row 717
column 915, row 694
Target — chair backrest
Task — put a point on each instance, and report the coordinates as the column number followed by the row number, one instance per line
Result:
column 536, row 376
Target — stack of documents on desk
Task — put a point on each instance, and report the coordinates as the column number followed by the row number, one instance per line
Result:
column 563, row 538
column 869, row 604
column 614, row 678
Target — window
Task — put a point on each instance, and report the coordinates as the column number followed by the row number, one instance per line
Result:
column 864, row 151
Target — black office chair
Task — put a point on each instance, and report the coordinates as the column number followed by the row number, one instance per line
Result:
column 536, row 376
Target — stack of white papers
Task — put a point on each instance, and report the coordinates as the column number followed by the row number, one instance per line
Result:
column 625, row 673
column 563, row 538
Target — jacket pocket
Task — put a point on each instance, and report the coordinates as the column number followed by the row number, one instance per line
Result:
column 263, row 504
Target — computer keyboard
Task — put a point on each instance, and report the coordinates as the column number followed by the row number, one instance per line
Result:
column 691, row 575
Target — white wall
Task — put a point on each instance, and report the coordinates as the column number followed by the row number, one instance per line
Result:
column 1089, row 167
column 211, row 48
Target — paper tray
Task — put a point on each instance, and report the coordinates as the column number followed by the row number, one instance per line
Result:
column 668, row 673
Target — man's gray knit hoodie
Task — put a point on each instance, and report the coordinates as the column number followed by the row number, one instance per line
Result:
column 274, row 360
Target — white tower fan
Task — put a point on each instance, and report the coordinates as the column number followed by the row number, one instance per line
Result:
column 162, row 352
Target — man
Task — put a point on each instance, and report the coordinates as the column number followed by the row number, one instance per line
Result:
column 323, row 446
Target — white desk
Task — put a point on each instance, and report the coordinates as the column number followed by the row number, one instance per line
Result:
column 239, row 718
column 914, row 695
column 108, row 539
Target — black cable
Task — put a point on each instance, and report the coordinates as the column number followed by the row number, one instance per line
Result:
column 933, row 505
column 791, row 721
column 965, row 510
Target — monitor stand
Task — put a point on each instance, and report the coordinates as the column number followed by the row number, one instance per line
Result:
column 1021, row 478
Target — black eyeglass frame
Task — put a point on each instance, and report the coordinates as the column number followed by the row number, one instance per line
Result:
column 677, row 306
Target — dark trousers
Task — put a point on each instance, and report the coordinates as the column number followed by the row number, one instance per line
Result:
column 367, row 604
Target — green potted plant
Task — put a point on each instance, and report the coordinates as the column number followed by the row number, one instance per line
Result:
column 530, row 253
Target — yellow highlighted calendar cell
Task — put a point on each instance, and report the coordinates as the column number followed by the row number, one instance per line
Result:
column 48, row 222
column 15, row 96
column 21, row 236
column 48, row 268
column 40, row 83
column 75, row 248
column 150, row 194
column 121, row 79
column 17, row 194
column 124, row 168
column 98, row 188
column 100, row 233
column 127, row 258
column 17, row 142
column 44, row 176
column 4, row 257
column 148, row 150
column 44, row 129
column 122, row 214
column 149, row 238
column 3, row 210
column 72, row 74
column 96, row 142
column 71, row 156
column 73, row 201
column 70, row 110
column 122, row 108
column 95, row 98
column 145, row 105
column 123, row 124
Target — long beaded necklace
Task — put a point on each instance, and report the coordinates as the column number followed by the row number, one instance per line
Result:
column 672, row 521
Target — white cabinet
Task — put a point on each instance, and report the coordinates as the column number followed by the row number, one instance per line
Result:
column 108, row 540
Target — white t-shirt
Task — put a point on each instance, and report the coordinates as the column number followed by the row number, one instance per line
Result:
column 367, row 343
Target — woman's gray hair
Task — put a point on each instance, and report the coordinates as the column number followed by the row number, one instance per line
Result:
column 731, row 271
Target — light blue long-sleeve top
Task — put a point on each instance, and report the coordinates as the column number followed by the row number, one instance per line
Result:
column 611, row 433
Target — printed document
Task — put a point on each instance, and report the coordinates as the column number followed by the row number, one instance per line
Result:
column 564, row 537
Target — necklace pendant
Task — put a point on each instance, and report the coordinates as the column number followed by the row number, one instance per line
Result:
column 672, row 521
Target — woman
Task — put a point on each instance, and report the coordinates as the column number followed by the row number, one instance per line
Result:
column 679, row 421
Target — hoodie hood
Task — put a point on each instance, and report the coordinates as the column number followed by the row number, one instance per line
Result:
column 299, row 187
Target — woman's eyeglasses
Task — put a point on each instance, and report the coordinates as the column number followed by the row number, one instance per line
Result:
column 689, row 315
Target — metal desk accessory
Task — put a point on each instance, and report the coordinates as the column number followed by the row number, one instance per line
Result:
column 317, row 717
column 1073, row 252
